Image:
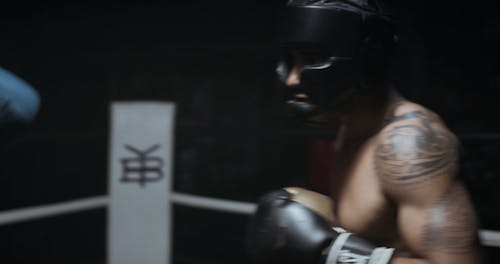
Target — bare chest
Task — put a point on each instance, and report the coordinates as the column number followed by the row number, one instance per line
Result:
column 360, row 204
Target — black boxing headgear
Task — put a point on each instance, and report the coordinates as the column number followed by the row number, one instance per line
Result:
column 339, row 33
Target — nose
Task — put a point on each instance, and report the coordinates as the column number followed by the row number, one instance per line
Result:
column 293, row 78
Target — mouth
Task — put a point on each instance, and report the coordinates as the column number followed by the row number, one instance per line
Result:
column 301, row 97
column 307, row 111
column 300, row 106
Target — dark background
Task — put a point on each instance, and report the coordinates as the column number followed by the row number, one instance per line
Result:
column 215, row 60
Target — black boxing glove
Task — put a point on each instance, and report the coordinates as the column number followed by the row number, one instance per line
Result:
column 290, row 227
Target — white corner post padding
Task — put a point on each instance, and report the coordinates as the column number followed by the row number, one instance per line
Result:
column 140, row 167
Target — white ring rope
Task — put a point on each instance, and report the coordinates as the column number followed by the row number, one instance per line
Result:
column 36, row 212
column 488, row 238
column 213, row 204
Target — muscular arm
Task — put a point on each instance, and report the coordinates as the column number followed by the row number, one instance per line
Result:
column 416, row 160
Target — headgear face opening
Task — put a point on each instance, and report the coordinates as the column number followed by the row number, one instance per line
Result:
column 337, row 35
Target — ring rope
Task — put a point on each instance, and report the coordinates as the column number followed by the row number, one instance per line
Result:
column 488, row 238
column 43, row 211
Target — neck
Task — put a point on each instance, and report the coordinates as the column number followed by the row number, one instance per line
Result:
column 370, row 114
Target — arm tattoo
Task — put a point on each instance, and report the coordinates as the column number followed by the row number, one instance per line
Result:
column 451, row 226
column 410, row 154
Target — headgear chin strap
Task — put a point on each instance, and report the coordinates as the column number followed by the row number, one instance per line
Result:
column 338, row 31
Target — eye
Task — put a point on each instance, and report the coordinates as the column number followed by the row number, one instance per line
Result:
column 314, row 59
column 323, row 62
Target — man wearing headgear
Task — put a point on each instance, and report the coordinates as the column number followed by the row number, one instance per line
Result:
column 393, row 193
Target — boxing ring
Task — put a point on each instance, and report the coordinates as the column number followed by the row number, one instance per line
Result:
column 489, row 238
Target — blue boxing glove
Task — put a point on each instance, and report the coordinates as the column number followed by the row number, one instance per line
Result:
column 291, row 226
column 19, row 102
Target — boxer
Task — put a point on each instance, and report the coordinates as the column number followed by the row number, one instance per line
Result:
column 396, row 196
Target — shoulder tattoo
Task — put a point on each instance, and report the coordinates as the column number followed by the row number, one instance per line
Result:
column 451, row 224
column 411, row 154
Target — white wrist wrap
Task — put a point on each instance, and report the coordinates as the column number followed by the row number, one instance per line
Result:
column 381, row 255
column 336, row 250
column 339, row 255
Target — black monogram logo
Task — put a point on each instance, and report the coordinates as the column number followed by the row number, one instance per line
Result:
column 347, row 256
column 143, row 168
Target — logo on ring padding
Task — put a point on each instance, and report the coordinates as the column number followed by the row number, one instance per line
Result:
column 143, row 168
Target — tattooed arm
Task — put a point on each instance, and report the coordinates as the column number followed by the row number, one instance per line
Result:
column 416, row 160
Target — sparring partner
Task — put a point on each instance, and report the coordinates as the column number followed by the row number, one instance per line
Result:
column 394, row 195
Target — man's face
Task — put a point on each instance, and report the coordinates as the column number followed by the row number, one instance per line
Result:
column 300, row 101
column 298, row 59
column 312, row 89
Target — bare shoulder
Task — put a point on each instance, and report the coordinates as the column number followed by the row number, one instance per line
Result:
column 415, row 149
column 416, row 160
